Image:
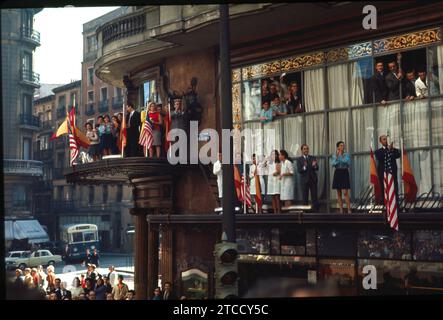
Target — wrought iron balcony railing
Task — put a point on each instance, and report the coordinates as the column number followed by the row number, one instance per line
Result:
column 31, row 34
column 30, row 76
column 124, row 27
column 29, row 120
column 103, row 106
column 117, row 102
column 89, row 109
column 23, row 167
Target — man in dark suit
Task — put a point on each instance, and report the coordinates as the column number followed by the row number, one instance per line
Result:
column 378, row 89
column 409, row 86
column 393, row 81
column 307, row 166
column 168, row 294
column 380, row 155
column 133, row 122
column 64, row 293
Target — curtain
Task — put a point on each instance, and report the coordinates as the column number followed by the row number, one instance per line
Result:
column 359, row 175
column 416, row 123
column 338, row 86
column 438, row 170
column 271, row 137
column 338, row 129
column 388, row 118
column 316, row 133
column 357, row 86
column 251, row 100
column 437, row 120
column 293, row 135
column 313, row 90
column 363, row 129
column 253, row 139
column 440, row 67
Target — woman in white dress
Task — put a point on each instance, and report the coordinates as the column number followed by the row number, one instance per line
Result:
column 256, row 168
column 273, row 166
column 286, row 179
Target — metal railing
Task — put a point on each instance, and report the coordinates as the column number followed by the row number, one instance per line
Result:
column 30, row 76
column 124, row 27
column 25, row 167
column 103, row 106
column 89, row 109
column 29, row 120
column 43, row 154
column 23, row 205
column 30, row 34
column 117, row 102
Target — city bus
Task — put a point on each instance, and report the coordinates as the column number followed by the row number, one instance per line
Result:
column 78, row 238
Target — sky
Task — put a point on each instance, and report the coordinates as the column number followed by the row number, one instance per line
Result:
column 58, row 59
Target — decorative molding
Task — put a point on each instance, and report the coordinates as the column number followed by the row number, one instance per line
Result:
column 236, row 103
column 359, row 50
column 261, row 70
column 338, row 54
column 236, row 75
column 302, row 61
column 407, row 40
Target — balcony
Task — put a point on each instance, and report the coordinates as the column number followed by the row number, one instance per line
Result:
column 89, row 109
column 30, row 78
column 103, row 106
column 117, row 103
column 44, row 155
column 29, row 121
column 23, row 167
column 128, row 26
column 31, row 35
column 63, row 206
column 47, row 124
column 61, row 112
column 22, row 205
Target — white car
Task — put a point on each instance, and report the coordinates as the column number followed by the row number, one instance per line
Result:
column 34, row 259
column 12, row 256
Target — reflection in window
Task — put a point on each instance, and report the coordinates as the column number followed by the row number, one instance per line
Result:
column 435, row 71
column 195, row 284
column 253, row 241
column 428, row 245
column 251, row 100
column 314, row 90
column 336, row 243
column 378, row 244
column 293, row 135
column 293, row 241
column 340, row 272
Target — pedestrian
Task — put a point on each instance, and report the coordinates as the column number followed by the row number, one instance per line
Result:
column 19, row 279
column 42, row 277
column 50, row 278
column 87, row 259
column 157, row 294
column 28, row 279
column 95, row 258
column 107, row 284
column 133, row 122
column 168, row 293
column 89, row 286
column 115, row 131
column 120, row 290
column 100, row 290
column 65, row 294
column 341, row 182
column 76, row 288
column 157, row 121
column 130, row 295
column 112, row 276
column 91, row 274
column 35, row 278
column 83, row 281
column 91, row 295
column 109, row 296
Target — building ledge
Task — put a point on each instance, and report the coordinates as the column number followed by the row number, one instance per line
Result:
column 22, row 167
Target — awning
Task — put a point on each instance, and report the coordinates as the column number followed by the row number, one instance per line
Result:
column 25, row 229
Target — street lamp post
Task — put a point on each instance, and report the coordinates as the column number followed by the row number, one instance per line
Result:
column 228, row 226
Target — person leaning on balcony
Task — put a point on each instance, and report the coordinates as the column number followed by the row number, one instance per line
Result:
column 293, row 98
column 106, row 136
column 377, row 84
column 133, row 122
column 266, row 114
column 91, row 134
column 279, row 108
column 341, row 182
column 286, row 179
column 100, row 129
column 157, row 121
column 409, row 86
column 393, row 81
column 421, row 85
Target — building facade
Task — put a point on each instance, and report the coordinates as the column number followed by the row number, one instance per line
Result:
column 174, row 205
column 19, row 40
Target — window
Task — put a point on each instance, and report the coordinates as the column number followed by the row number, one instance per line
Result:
column 27, row 20
column 62, row 102
column 428, row 245
column 92, row 43
column 90, row 96
column 118, row 94
column 253, row 241
column 91, row 195
column 105, row 194
column 27, row 105
column 59, row 193
column 27, row 62
column 89, row 236
column 104, row 94
column 119, row 193
column 339, row 243
column 150, row 92
column 26, row 149
column 77, row 237
column 91, row 76
column 382, row 244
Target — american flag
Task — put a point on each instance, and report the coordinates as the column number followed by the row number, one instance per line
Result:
column 390, row 197
column 146, row 138
column 73, row 147
column 245, row 188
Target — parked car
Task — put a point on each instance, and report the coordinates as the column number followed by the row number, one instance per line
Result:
column 13, row 256
column 56, row 247
column 34, row 259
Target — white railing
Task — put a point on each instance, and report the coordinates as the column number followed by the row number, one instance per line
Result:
column 25, row 167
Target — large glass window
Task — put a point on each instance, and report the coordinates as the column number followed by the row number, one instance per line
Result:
column 383, row 244
column 338, row 243
column 253, row 241
column 428, row 245
column 251, row 100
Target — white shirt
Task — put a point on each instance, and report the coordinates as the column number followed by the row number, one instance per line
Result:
column 217, row 170
column 421, row 89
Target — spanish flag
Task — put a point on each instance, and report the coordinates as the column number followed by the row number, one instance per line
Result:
column 408, row 179
column 374, row 178
column 79, row 136
column 122, row 136
column 237, row 182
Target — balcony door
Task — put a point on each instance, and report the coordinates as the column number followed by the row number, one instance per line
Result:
column 26, row 149
column 27, row 62
column 27, row 20
column 27, row 105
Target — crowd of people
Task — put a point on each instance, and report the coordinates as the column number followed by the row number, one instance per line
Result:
column 429, row 248
column 395, row 247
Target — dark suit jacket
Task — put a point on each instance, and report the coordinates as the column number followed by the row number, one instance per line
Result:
column 310, row 173
column 380, row 156
column 133, row 126
column 393, row 85
column 378, row 89
column 409, row 89
column 171, row 296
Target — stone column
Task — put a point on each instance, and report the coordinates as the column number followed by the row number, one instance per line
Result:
column 152, row 269
column 166, row 265
column 131, row 91
column 141, row 257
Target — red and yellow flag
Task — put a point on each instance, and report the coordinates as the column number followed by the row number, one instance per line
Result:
column 237, row 182
column 122, row 136
column 374, row 178
column 258, row 199
column 409, row 179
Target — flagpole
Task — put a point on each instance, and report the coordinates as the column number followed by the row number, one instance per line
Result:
column 402, row 167
column 244, row 185
column 124, row 120
column 169, row 128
